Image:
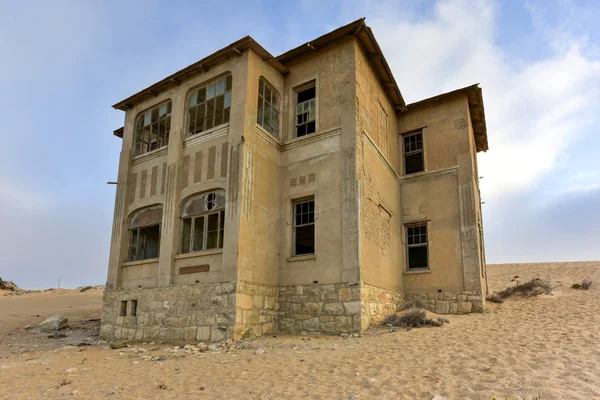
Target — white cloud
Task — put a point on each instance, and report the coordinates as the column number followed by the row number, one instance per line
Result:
column 533, row 111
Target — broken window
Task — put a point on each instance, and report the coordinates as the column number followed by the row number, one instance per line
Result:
column 209, row 106
column 152, row 129
column 144, row 234
column 306, row 111
column 268, row 108
column 304, row 227
column 133, row 308
column 203, row 222
column 413, row 153
column 416, row 243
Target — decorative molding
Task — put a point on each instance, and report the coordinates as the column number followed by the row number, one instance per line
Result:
column 221, row 130
column 142, row 158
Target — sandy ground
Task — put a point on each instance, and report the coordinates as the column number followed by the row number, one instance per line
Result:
column 548, row 346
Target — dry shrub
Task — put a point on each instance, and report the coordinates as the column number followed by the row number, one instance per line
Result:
column 586, row 284
column 576, row 286
column 533, row 287
column 8, row 285
column 413, row 318
column 495, row 298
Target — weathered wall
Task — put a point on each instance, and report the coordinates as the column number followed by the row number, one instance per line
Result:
column 255, row 310
column 377, row 303
column 331, row 309
column 203, row 312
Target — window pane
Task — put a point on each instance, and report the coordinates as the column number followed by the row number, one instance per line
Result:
column 305, row 240
column 260, row 87
column 210, row 111
column 210, row 91
column 200, row 118
column 163, row 110
column 413, row 163
column 417, row 257
column 221, row 228
column 152, row 234
column 192, row 99
column 259, row 117
column 212, row 232
column 192, row 121
column 186, row 232
column 310, row 128
column 198, row 240
column 201, row 95
column 133, row 238
column 228, row 83
column 227, row 99
column 219, row 111
column 220, row 87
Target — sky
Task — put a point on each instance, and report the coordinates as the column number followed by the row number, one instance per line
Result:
column 64, row 63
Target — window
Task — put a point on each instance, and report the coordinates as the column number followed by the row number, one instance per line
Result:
column 268, row 108
column 203, row 222
column 416, row 242
column 413, row 153
column 152, row 129
column 144, row 234
column 306, row 111
column 304, row 227
column 123, row 309
column 209, row 106
column 133, row 308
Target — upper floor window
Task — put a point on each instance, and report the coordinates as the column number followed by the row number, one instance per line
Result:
column 306, row 110
column 268, row 108
column 144, row 234
column 414, row 160
column 416, row 244
column 203, row 222
column 304, row 227
column 152, row 129
column 209, row 106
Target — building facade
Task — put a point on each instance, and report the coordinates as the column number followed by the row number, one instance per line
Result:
column 292, row 194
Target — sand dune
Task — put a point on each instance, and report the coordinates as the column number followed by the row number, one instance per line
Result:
column 548, row 346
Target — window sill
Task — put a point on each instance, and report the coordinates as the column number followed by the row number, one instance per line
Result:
column 208, row 134
column 417, row 271
column 304, row 257
column 139, row 262
column 149, row 155
column 198, row 254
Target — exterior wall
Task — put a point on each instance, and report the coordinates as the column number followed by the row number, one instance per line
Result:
column 377, row 303
column 255, row 310
column 464, row 302
column 332, row 309
column 203, row 312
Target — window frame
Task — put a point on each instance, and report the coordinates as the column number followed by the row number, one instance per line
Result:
column 220, row 238
column 420, row 131
column 413, row 225
column 297, row 90
column 295, row 226
column 262, row 105
column 141, row 116
column 129, row 245
column 195, row 91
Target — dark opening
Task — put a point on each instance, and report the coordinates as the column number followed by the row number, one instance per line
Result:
column 152, row 234
column 417, row 257
column 306, row 112
column 307, row 94
column 133, row 310
column 123, row 309
column 413, row 163
column 305, row 239
column 306, row 129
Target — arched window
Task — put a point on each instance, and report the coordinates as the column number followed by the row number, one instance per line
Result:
column 144, row 233
column 268, row 107
column 203, row 222
column 152, row 129
column 209, row 106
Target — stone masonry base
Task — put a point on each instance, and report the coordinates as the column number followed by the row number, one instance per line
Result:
column 213, row 312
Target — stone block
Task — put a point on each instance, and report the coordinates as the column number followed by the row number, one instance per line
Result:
column 203, row 333
column 296, row 308
column 244, row 301
column 269, row 301
column 258, row 301
column 189, row 333
column 333, row 309
column 225, row 318
column 474, row 298
column 477, row 306
column 453, row 308
column 176, row 334
column 462, row 297
column 312, row 308
column 252, row 316
column 442, row 307
column 345, row 294
column 218, row 333
column 352, row 307
column 267, row 328
column 464, row 307
column 312, row 324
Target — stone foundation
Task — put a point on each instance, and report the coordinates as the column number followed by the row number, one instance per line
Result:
column 199, row 312
column 328, row 309
column 377, row 303
column 449, row 303
column 255, row 310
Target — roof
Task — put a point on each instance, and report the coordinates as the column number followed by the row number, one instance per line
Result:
column 357, row 28
column 235, row 48
column 475, row 99
column 119, row 132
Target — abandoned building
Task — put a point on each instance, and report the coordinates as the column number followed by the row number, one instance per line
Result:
column 292, row 194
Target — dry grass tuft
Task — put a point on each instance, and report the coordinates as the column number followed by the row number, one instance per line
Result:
column 530, row 288
column 413, row 318
column 495, row 298
column 586, row 284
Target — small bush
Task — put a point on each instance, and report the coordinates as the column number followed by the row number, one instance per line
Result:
column 533, row 287
column 413, row 318
column 495, row 298
column 586, row 284
column 576, row 286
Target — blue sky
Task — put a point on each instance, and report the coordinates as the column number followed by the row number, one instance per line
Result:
column 66, row 62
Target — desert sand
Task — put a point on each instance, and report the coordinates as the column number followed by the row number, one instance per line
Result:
column 546, row 346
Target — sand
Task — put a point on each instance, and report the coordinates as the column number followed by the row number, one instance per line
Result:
column 548, row 346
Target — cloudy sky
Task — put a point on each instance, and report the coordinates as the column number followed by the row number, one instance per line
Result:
column 64, row 63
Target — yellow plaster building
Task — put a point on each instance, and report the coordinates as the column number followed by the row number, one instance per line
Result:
column 292, row 194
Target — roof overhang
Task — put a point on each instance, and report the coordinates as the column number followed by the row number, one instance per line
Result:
column 235, row 48
column 476, row 110
column 365, row 35
column 119, row 132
